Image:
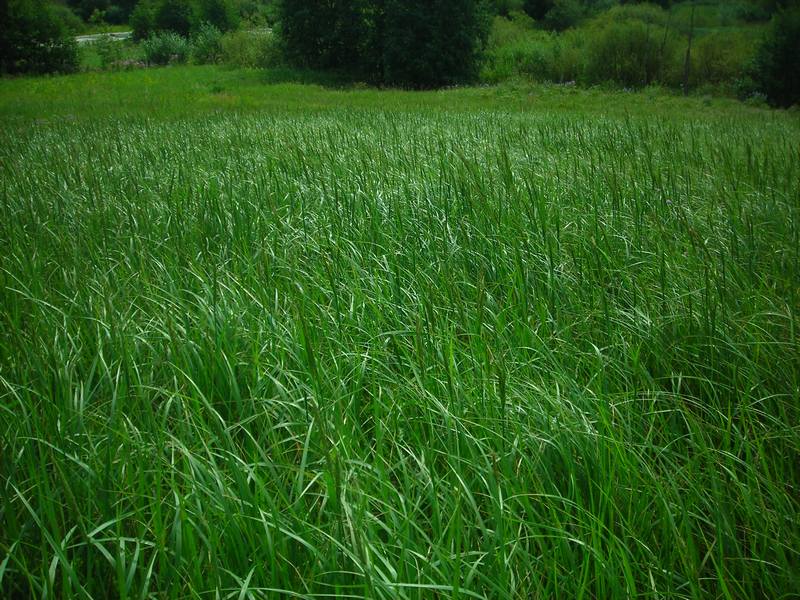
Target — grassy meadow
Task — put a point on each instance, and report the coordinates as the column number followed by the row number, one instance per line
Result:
column 264, row 339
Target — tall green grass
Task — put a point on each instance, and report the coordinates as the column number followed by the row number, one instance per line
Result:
column 399, row 354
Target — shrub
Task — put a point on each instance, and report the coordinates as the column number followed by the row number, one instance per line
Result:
column 86, row 8
column 165, row 48
column 206, row 46
column 429, row 43
column 109, row 51
column 63, row 14
column 414, row 43
column 646, row 13
column 506, row 7
column 503, row 31
column 747, row 12
column 569, row 56
column 222, row 14
column 338, row 34
column 722, row 57
column 703, row 15
column 116, row 15
column 537, row 9
column 143, row 21
column 176, row 16
column 564, row 14
column 629, row 53
column 516, row 49
column 777, row 63
column 631, row 45
column 250, row 49
column 531, row 56
column 258, row 14
column 33, row 40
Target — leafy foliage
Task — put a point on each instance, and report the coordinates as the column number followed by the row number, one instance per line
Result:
column 184, row 17
column 417, row 43
column 630, row 51
column 86, row 8
column 222, row 14
column 71, row 22
column 206, row 46
column 777, row 66
column 178, row 16
column 538, row 8
column 331, row 34
column 428, row 43
column 143, row 20
column 250, row 49
column 166, row 47
column 631, row 45
column 34, row 40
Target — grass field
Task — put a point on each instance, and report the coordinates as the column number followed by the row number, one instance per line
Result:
column 266, row 340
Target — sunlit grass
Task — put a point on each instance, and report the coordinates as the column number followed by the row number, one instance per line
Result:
column 399, row 353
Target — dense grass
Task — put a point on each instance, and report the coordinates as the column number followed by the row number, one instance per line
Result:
column 184, row 92
column 396, row 346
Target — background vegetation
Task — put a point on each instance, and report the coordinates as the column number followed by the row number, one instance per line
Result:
column 740, row 48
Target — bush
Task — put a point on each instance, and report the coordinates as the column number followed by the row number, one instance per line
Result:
column 414, row 43
column 116, row 15
column 722, row 57
column 565, row 14
column 537, row 9
column 222, row 14
column 516, row 49
column 70, row 21
column 631, row 45
column 505, row 8
column 777, row 63
column 143, row 21
column 531, row 56
column 258, row 14
column 338, row 34
column 629, row 53
column 109, row 51
column 747, row 12
column 429, row 43
column 250, row 49
column 33, row 40
column 165, row 48
column 176, row 16
column 85, row 8
column 646, row 13
column 206, row 46
column 706, row 15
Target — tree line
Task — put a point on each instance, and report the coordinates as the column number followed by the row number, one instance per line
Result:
column 407, row 43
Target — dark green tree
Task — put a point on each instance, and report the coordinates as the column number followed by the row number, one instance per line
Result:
column 119, row 11
column 222, row 14
column 330, row 34
column 537, row 9
column 415, row 43
column 143, row 20
column 33, row 40
column 429, row 43
column 505, row 7
column 175, row 15
column 85, row 8
column 777, row 64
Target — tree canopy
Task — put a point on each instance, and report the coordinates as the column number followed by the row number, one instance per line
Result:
column 412, row 43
